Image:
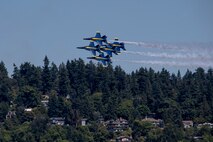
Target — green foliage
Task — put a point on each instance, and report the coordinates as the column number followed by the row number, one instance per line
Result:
column 54, row 133
column 5, row 136
column 82, row 134
column 125, row 109
column 23, row 116
column 171, row 113
column 28, row 75
column 39, row 126
column 140, row 128
column 56, row 106
column 22, row 133
column 28, row 97
column 78, row 90
column 99, row 131
column 172, row 133
column 64, row 83
column 142, row 111
column 4, row 107
column 46, row 77
column 4, row 84
column 154, row 135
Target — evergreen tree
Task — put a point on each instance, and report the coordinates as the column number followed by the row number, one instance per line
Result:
column 46, row 77
column 4, row 84
column 28, row 97
column 56, row 106
column 90, row 75
column 30, row 75
column 64, row 84
column 4, row 107
column 54, row 77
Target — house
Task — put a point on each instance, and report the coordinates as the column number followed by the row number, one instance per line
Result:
column 101, row 121
column 57, row 120
column 28, row 109
column 187, row 123
column 10, row 114
column 154, row 122
column 45, row 97
column 210, row 125
column 123, row 139
column 83, row 122
column 45, row 103
column 45, row 100
column 117, row 125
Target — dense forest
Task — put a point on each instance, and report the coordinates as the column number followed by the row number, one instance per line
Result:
column 91, row 91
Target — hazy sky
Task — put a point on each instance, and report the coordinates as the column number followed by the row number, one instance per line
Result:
column 29, row 30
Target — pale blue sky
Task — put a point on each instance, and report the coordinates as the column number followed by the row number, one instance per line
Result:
column 29, row 30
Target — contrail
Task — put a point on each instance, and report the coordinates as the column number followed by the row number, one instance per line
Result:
column 208, row 47
column 170, row 63
column 192, row 56
column 153, row 45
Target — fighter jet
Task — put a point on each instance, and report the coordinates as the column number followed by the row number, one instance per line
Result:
column 104, row 59
column 98, row 38
column 109, row 49
column 118, row 44
column 91, row 48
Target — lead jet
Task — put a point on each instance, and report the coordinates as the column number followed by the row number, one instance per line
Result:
column 104, row 59
column 98, row 38
column 91, row 48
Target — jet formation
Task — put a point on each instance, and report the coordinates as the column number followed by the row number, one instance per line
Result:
column 105, row 49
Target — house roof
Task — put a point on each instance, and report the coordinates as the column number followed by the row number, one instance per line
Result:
column 151, row 120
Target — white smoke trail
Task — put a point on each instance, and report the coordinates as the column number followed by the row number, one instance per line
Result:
column 192, row 56
column 152, row 45
column 207, row 47
column 170, row 63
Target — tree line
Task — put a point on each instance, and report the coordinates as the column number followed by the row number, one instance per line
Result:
column 85, row 90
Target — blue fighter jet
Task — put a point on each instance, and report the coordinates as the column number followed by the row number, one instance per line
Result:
column 104, row 59
column 100, row 44
column 118, row 44
column 109, row 49
column 91, row 48
column 98, row 38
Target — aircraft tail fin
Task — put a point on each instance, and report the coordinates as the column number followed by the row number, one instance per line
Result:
column 103, row 62
column 104, row 38
column 107, row 56
column 122, row 46
column 116, row 39
column 98, row 34
column 101, row 55
column 91, row 44
column 109, row 53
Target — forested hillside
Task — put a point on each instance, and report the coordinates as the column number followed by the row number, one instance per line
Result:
column 77, row 90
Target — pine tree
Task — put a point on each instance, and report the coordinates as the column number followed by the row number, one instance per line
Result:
column 54, row 76
column 30, row 75
column 64, row 84
column 28, row 97
column 46, row 78
column 4, row 84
